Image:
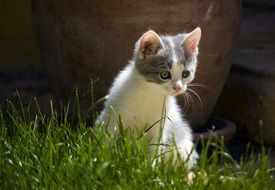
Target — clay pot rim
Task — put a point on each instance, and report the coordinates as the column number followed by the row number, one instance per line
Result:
column 225, row 131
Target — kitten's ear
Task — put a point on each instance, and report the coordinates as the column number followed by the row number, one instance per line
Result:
column 191, row 43
column 149, row 44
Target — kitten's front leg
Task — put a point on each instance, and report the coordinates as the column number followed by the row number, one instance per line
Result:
column 177, row 139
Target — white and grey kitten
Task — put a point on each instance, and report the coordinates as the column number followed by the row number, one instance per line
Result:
column 144, row 92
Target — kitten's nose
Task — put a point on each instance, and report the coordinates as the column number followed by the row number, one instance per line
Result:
column 177, row 88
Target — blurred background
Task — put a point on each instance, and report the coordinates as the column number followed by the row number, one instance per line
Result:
column 20, row 68
column 249, row 91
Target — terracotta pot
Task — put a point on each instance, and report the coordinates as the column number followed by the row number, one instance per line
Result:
column 248, row 97
column 220, row 127
column 83, row 40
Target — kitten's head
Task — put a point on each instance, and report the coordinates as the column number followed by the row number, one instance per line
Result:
column 168, row 62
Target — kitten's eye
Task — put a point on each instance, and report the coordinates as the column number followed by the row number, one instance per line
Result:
column 165, row 75
column 185, row 74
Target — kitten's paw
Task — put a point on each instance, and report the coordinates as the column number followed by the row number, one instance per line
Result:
column 181, row 155
column 188, row 154
column 192, row 159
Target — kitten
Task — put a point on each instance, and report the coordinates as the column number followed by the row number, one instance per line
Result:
column 144, row 92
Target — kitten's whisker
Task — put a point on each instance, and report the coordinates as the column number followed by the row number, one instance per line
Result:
column 188, row 100
column 198, row 85
column 205, row 54
column 197, row 95
column 190, row 97
column 185, row 102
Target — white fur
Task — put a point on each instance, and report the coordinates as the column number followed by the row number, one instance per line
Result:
column 140, row 103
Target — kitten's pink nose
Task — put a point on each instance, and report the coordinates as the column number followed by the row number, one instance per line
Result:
column 177, row 88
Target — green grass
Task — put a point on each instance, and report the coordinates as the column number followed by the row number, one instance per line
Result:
column 49, row 151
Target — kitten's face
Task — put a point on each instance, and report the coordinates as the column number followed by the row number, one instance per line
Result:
column 168, row 62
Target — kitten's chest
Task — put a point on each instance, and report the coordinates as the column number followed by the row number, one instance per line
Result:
column 142, row 110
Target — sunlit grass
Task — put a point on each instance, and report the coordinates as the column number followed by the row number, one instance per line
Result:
column 51, row 151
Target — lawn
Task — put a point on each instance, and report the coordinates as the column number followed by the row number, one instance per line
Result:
column 51, row 151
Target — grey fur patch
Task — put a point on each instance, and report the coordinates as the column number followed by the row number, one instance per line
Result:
column 151, row 67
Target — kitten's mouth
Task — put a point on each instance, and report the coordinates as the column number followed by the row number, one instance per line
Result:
column 175, row 93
